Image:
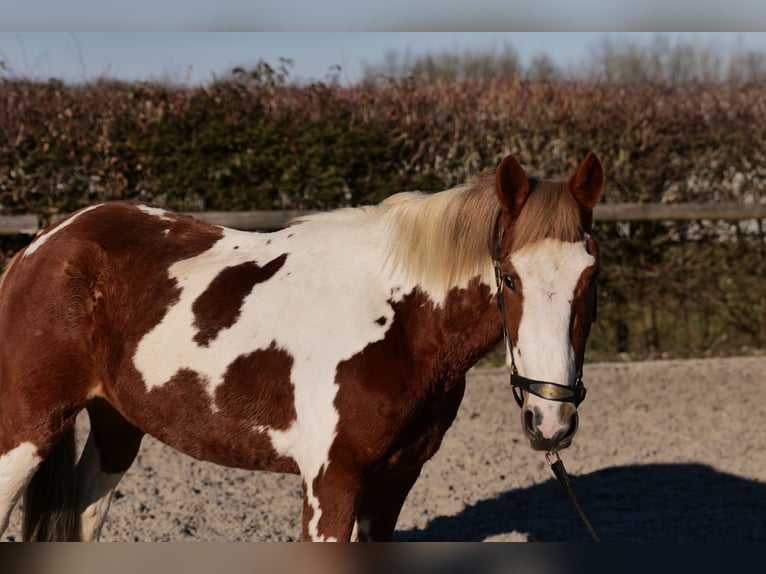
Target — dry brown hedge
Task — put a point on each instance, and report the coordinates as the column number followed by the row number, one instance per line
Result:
column 681, row 289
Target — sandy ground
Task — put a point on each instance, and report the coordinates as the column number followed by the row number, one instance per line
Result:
column 666, row 451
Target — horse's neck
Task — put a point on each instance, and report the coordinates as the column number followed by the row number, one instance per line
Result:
column 450, row 328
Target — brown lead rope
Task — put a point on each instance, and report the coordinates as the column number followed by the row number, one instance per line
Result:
column 563, row 478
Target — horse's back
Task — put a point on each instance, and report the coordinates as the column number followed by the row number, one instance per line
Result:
column 102, row 260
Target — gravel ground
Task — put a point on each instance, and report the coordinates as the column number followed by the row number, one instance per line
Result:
column 666, row 451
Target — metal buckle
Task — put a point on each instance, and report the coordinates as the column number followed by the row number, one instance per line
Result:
column 547, row 390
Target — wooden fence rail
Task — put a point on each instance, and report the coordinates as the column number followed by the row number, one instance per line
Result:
column 270, row 220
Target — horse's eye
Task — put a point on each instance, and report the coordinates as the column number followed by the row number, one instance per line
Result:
column 509, row 282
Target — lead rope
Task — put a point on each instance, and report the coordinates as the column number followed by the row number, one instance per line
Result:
column 563, row 478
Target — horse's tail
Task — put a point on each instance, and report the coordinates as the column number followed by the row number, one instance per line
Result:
column 50, row 500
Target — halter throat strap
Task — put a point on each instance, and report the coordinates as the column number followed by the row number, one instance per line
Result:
column 543, row 389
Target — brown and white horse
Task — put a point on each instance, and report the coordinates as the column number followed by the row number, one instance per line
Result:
column 336, row 348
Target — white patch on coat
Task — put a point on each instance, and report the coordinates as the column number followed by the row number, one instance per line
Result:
column 46, row 235
column 548, row 272
column 157, row 212
column 17, row 467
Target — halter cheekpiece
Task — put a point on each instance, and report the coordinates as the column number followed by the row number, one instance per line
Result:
column 543, row 389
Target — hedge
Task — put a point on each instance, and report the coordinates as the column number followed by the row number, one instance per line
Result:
column 667, row 289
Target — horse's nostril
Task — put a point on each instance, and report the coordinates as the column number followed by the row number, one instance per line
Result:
column 573, row 422
column 529, row 422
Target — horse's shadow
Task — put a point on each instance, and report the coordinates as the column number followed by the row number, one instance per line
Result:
column 652, row 503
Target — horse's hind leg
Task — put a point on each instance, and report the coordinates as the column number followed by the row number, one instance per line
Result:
column 17, row 466
column 111, row 447
column 37, row 451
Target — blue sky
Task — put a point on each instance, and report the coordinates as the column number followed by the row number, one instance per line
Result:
column 191, row 40
column 195, row 57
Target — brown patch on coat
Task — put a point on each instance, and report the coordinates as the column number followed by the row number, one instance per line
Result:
column 337, row 488
column 513, row 300
column 182, row 414
column 220, row 305
column 584, row 304
column 257, row 389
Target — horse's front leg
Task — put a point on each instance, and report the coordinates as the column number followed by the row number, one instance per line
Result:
column 381, row 503
column 330, row 503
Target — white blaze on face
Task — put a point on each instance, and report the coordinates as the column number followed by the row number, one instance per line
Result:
column 548, row 272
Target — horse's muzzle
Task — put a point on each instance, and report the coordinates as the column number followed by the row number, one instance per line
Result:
column 560, row 440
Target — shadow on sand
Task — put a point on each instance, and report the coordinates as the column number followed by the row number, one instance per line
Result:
column 651, row 503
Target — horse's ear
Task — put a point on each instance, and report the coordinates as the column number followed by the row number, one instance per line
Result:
column 587, row 185
column 511, row 185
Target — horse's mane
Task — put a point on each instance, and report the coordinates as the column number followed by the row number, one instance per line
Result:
column 442, row 240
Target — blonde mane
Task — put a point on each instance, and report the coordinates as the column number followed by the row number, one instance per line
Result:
column 444, row 239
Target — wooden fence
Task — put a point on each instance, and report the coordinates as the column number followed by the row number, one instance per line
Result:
column 270, row 220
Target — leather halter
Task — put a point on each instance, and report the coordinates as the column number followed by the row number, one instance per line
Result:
column 543, row 389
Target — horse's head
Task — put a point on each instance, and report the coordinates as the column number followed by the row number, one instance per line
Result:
column 546, row 266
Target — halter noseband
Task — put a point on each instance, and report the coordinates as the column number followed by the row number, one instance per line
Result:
column 543, row 389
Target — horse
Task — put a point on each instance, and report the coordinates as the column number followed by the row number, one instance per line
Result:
column 335, row 348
